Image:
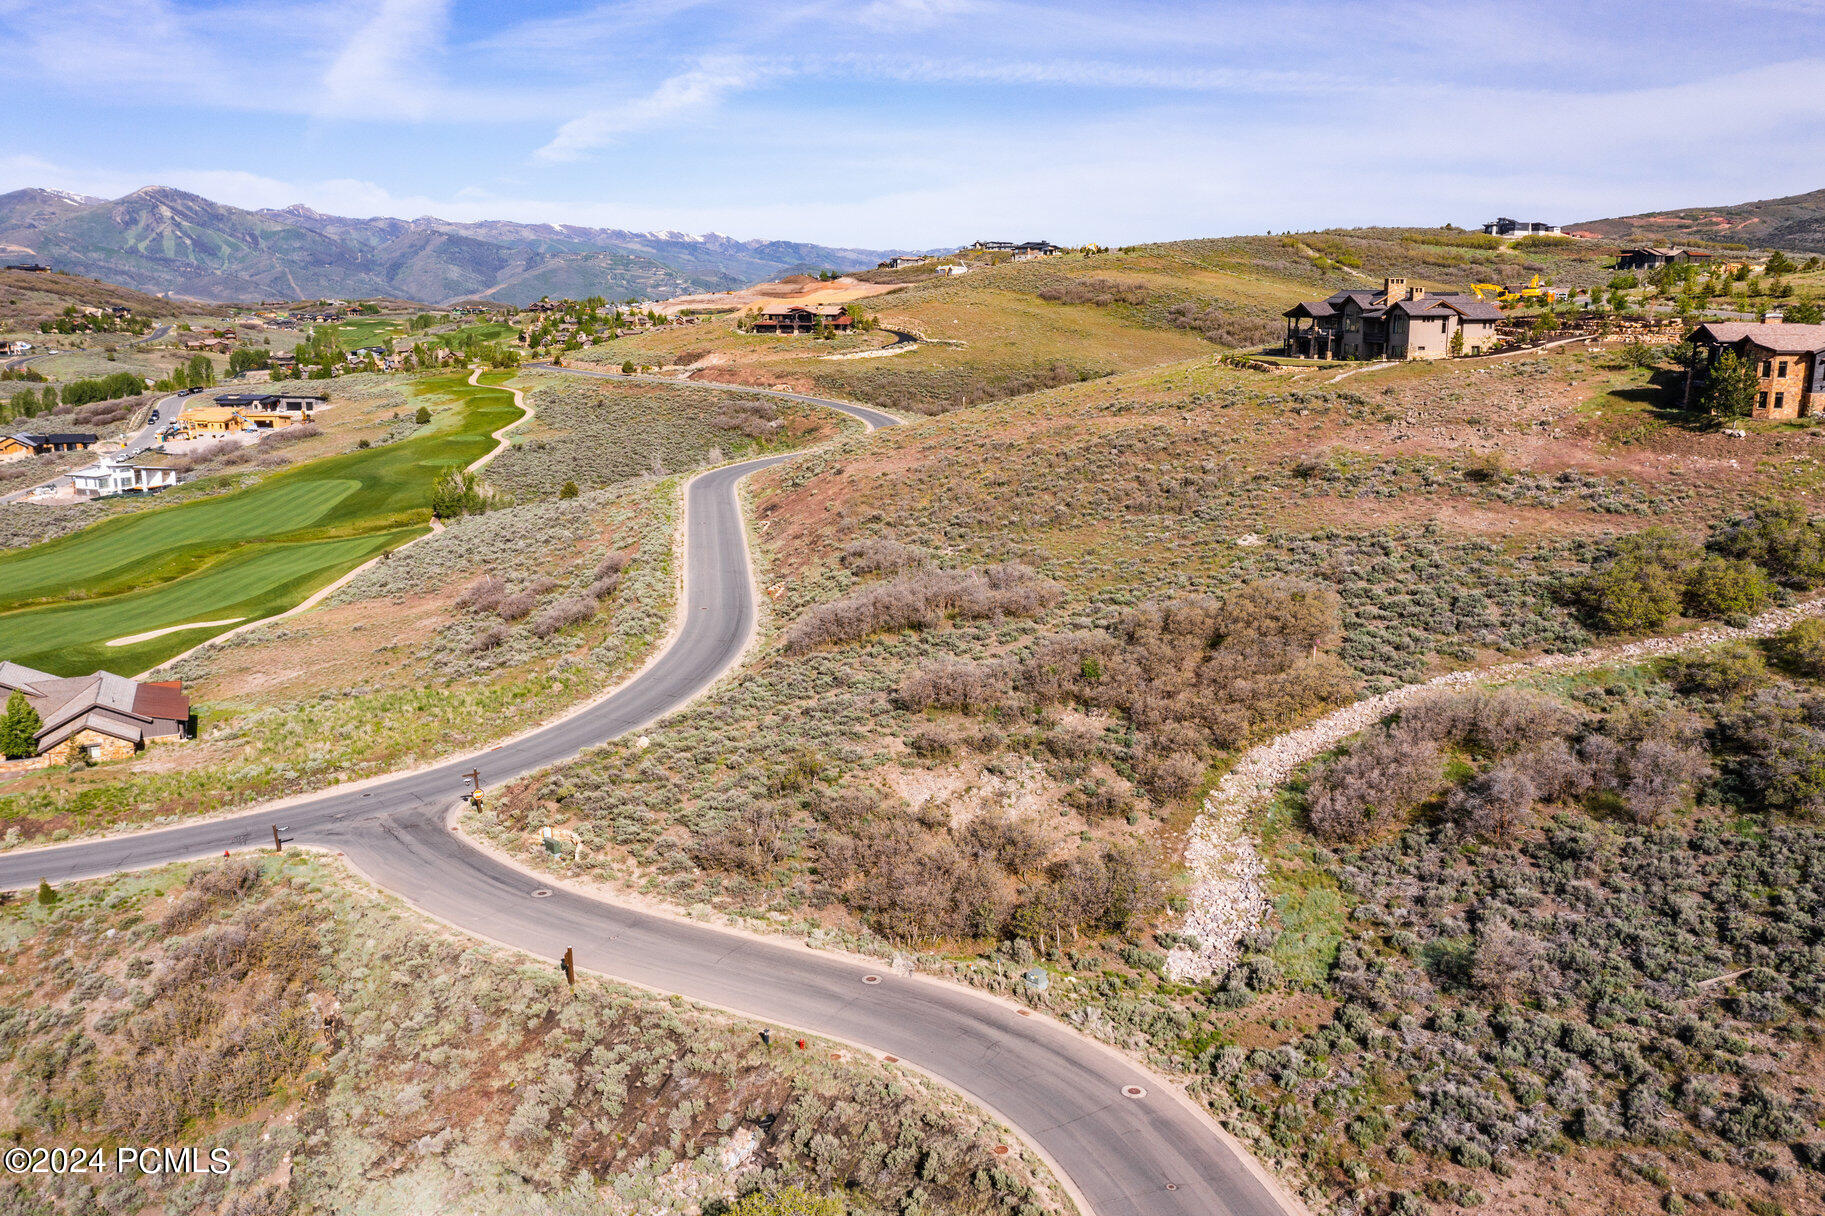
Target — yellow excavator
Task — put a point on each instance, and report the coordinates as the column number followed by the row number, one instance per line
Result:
column 1533, row 292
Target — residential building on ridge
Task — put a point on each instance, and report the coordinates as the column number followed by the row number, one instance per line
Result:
column 1654, row 257
column 1789, row 360
column 801, row 318
column 1507, row 227
column 1396, row 322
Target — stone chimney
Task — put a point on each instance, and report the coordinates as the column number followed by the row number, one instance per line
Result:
column 1394, row 289
column 1772, row 316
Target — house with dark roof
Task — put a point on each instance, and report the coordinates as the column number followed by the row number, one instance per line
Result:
column 801, row 318
column 1653, row 257
column 12, row 447
column 1789, row 360
column 98, row 717
column 1396, row 322
column 1507, row 227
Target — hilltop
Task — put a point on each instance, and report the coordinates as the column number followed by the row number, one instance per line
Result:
column 1794, row 222
column 1005, row 328
column 164, row 240
column 27, row 298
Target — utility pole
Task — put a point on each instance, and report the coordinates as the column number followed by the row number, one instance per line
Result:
column 569, row 966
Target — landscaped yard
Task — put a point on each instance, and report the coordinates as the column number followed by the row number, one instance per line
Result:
column 244, row 554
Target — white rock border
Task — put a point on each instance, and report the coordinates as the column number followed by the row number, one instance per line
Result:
column 1228, row 896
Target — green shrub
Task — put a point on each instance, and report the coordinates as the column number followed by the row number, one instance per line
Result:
column 1781, row 539
column 1726, row 587
column 1801, row 649
column 1642, row 583
column 1729, row 671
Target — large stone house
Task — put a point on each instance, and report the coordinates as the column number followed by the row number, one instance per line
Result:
column 101, row 716
column 1396, row 322
column 1789, row 360
column 801, row 318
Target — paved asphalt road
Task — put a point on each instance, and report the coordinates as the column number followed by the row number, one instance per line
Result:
column 1151, row 1155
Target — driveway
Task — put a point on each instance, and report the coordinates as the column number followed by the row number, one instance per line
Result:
column 1124, row 1140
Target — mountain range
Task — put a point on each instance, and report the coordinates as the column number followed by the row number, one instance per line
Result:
column 1796, row 222
column 162, row 240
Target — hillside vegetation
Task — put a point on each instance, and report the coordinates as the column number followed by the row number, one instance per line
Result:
column 1016, row 641
column 1795, row 222
column 1006, row 329
column 27, row 298
column 1579, row 967
column 343, row 1056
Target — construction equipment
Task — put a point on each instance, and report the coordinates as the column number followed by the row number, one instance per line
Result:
column 1530, row 293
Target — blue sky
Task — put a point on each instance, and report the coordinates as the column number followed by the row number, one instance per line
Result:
column 923, row 122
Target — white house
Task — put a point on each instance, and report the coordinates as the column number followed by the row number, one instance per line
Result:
column 954, row 268
column 118, row 475
column 15, row 348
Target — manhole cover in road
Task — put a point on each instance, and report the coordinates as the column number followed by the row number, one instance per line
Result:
column 871, row 979
column 1172, row 1186
column 1133, row 1091
column 542, row 893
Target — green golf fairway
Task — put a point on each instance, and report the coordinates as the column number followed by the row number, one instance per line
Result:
column 70, row 639
column 211, row 556
column 138, row 549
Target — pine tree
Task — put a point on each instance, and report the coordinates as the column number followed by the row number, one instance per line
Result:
column 19, row 728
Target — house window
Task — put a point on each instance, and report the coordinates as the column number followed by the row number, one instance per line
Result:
column 1763, row 403
column 1783, row 371
column 1767, row 366
column 1777, row 400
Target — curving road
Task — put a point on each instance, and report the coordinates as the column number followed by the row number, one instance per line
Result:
column 1152, row 1154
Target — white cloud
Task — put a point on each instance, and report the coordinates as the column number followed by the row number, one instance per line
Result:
column 383, row 70
column 685, row 96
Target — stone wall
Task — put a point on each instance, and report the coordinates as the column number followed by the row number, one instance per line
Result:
column 71, row 748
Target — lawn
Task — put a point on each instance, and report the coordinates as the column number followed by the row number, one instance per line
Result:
column 351, row 335
column 370, row 499
column 252, row 582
